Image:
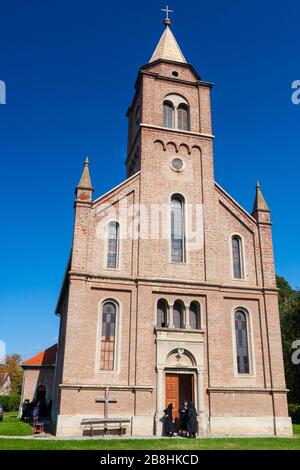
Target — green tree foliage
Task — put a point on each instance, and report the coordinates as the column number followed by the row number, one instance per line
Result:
column 13, row 367
column 289, row 306
column 10, row 402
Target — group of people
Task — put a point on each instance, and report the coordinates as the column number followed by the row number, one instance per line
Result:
column 186, row 425
column 36, row 410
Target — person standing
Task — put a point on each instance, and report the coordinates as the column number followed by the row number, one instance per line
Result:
column 191, row 420
column 169, row 425
column 183, row 416
column 25, row 414
column 35, row 414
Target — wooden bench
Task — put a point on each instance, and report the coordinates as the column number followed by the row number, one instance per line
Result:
column 105, row 424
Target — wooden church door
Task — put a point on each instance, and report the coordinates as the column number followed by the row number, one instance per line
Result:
column 172, row 392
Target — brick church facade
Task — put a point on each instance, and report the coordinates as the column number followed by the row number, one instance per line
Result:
column 186, row 311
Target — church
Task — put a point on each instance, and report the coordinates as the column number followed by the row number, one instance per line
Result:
column 170, row 290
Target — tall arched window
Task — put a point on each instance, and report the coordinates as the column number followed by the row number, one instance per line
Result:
column 168, row 114
column 183, row 117
column 241, row 339
column 178, row 314
column 113, row 245
column 108, row 334
column 194, row 314
column 177, row 229
column 237, row 257
column 161, row 319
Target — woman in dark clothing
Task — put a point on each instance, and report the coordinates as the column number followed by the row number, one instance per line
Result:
column 183, row 415
column 192, row 420
column 169, row 426
column 43, row 409
column 26, row 414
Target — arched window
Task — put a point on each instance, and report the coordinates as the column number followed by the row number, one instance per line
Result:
column 194, row 316
column 178, row 314
column 108, row 334
column 113, row 245
column 177, row 229
column 41, row 393
column 241, row 339
column 183, row 117
column 161, row 320
column 237, row 259
column 168, row 114
column 176, row 112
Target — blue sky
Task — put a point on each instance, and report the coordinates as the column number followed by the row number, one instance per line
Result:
column 70, row 67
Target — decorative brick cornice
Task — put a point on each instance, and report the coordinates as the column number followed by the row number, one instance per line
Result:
column 132, row 388
column 163, row 281
column 246, row 390
column 177, row 131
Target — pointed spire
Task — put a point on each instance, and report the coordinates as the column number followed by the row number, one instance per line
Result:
column 259, row 203
column 85, row 180
column 168, row 48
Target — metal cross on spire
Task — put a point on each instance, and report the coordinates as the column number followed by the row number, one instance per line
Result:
column 167, row 11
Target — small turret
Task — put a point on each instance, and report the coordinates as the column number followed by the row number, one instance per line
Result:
column 84, row 190
column 83, row 206
column 261, row 211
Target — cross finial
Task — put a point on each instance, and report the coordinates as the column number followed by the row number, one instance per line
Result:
column 167, row 21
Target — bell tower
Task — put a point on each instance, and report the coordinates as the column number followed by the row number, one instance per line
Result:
column 170, row 97
column 170, row 138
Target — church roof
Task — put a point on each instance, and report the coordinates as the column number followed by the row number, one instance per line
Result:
column 259, row 203
column 168, row 48
column 43, row 358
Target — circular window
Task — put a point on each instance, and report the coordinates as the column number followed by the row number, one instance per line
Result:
column 177, row 164
column 175, row 74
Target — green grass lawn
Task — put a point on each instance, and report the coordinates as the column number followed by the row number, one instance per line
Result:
column 11, row 426
column 296, row 429
column 154, row 444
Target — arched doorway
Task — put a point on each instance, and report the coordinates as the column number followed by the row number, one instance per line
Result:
column 41, row 393
column 179, row 378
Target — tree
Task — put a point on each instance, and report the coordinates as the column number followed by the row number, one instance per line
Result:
column 289, row 307
column 13, row 367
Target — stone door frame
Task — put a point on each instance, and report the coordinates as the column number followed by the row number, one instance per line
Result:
column 197, row 372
